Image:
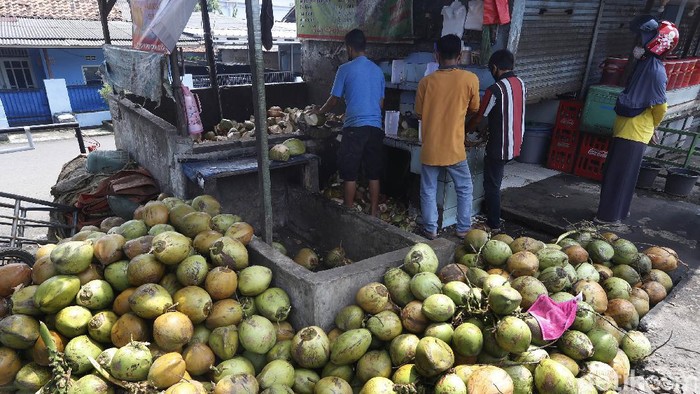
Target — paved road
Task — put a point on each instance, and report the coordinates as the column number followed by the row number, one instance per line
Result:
column 32, row 173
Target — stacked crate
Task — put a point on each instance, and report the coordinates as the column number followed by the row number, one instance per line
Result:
column 565, row 137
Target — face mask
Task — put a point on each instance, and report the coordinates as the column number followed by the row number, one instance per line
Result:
column 638, row 52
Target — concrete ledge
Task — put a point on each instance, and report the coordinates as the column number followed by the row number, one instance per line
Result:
column 318, row 296
column 91, row 119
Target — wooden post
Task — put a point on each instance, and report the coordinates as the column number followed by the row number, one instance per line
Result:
column 177, row 92
column 105, row 7
column 252, row 8
column 211, row 60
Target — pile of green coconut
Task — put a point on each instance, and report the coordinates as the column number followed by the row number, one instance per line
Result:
column 169, row 302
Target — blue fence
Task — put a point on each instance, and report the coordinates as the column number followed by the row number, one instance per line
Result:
column 26, row 107
column 86, row 98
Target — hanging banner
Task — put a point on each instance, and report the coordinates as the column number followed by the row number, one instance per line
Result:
column 158, row 24
column 330, row 20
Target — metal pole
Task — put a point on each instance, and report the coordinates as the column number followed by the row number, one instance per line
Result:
column 211, row 61
column 591, row 52
column 252, row 8
column 681, row 10
column 79, row 137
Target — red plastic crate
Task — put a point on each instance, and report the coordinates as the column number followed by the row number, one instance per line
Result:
column 569, row 115
column 562, row 149
column 592, row 153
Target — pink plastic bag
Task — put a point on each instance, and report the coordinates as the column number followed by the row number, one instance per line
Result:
column 554, row 317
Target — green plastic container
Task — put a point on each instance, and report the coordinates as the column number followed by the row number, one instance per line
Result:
column 599, row 110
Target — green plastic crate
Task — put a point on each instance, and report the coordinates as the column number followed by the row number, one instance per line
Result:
column 599, row 110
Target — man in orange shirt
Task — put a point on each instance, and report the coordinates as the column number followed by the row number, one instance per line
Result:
column 443, row 101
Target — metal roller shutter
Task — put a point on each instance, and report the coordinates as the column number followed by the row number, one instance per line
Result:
column 614, row 36
column 554, row 46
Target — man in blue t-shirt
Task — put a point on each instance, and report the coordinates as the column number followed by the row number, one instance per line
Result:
column 361, row 83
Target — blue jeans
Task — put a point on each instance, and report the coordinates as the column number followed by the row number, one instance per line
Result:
column 462, row 179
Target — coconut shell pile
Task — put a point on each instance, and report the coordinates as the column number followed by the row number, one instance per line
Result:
column 279, row 122
column 391, row 210
column 168, row 302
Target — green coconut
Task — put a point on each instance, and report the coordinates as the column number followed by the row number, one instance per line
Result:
column 257, row 334
column 402, row 349
column 600, row 251
column 624, row 251
column 496, row 253
column 433, row 357
column 513, row 335
column 96, row 294
column 586, row 271
column 617, row 288
column 349, row 318
column 504, row 300
column 551, row 258
column 296, row 146
column 636, row 346
column 467, row 340
column 350, row 346
column 552, row 377
column 523, row 381
column 171, row 247
column 605, row 345
column 230, row 253
column 421, row 258
column 397, row 281
column 254, row 280
column 443, row 331
column 274, row 304
column 131, row 362
column 77, row 353
column 440, row 308
column 425, row 284
column 385, row 325
column 72, row 257
column 374, row 363
column 530, row 289
column 576, row 345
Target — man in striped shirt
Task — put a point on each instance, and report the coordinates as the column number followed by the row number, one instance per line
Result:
column 504, row 105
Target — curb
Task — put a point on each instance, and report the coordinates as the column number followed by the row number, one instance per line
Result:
column 42, row 136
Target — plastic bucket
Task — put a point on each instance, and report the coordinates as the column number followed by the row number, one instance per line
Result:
column 680, row 181
column 535, row 143
column 647, row 174
column 613, row 69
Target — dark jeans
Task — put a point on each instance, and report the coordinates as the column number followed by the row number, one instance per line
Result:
column 493, row 176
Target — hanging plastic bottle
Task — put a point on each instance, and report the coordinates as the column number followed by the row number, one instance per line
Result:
column 192, row 110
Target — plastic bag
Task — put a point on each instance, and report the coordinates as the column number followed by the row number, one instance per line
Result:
column 453, row 17
column 475, row 15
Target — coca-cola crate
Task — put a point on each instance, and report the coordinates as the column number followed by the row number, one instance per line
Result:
column 592, row 153
column 562, row 150
column 569, row 115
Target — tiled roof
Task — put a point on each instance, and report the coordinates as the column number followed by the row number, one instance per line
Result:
column 52, row 33
column 55, row 9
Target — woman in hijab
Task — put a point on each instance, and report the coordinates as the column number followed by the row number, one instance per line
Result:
column 640, row 109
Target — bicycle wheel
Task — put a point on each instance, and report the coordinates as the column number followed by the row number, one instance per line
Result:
column 15, row 255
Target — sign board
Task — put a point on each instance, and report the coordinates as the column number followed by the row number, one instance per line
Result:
column 330, row 20
column 158, row 24
column 142, row 14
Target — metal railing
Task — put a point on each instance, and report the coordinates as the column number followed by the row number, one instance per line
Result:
column 682, row 154
column 30, row 142
column 86, row 98
column 202, row 81
column 26, row 106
